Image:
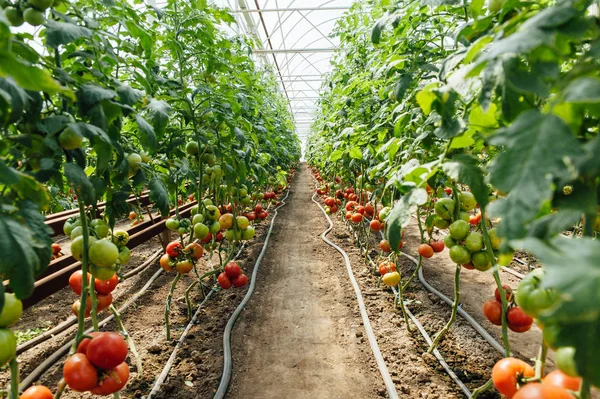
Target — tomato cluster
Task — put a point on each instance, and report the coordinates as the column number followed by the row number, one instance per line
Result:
column 99, row 365
column 232, row 276
column 179, row 258
column 102, row 288
column 518, row 321
column 34, row 13
column 11, row 313
column 514, row 378
column 56, row 251
column 389, row 273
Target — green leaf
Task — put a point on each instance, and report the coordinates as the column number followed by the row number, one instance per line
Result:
column 478, row 118
column 465, row 169
column 425, row 98
column 583, row 90
column 159, row 196
column 18, row 241
column 91, row 94
column 519, row 43
column 401, row 86
column 399, row 216
column 336, row 155
column 538, row 150
column 148, row 138
column 128, row 95
column 476, row 48
column 355, row 153
column 61, row 33
column 80, row 183
column 476, row 8
column 19, row 99
column 160, row 112
column 26, row 187
column 378, row 29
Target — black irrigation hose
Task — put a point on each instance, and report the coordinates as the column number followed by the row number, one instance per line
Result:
column 227, row 361
column 387, row 379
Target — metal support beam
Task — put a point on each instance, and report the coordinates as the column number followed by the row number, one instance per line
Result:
column 296, row 50
column 296, row 9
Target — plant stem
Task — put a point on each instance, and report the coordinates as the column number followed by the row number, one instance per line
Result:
column 130, row 342
column 540, row 362
column 438, row 337
column 412, row 277
column 168, row 305
column 584, row 390
column 14, row 378
column 84, row 270
column 485, row 387
column 62, row 385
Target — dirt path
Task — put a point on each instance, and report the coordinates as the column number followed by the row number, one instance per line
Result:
column 301, row 335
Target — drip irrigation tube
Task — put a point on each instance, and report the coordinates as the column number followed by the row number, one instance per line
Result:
column 167, row 368
column 227, row 361
column 387, row 379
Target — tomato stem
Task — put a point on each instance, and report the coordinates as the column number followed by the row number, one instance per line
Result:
column 438, row 337
column 84, row 270
column 485, row 387
column 14, row 378
column 129, row 340
column 540, row 362
column 400, row 299
column 584, row 390
column 168, row 305
column 60, row 388
column 412, row 277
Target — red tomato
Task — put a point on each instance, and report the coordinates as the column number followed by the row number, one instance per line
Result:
column 37, row 392
column 438, row 246
column 386, row 267
column 357, row 218
column 385, row 246
column 233, row 270
column 207, row 239
column 82, row 348
column 351, row 205
column 104, row 301
column 55, row 251
column 195, row 250
column 375, row 225
column 174, row 248
column 107, row 350
column 240, row 280
column 559, row 379
column 106, row 287
column 542, row 391
column 132, row 215
column 113, row 380
column 224, row 281
column 258, row 208
column 76, row 281
column 165, row 262
column 518, row 321
column 360, row 209
column 493, row 311
column 79, row 373
column 448, row 190
column 473, row 220
column 506, row 374
column 507, row 290
column 348, row 215
column 425, row 250
column 369, row 209
column 469, row 266
column 251, row 216
column 333, row 209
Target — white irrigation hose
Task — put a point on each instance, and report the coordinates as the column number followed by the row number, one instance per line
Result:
column 167, row 368
column 39, row 370
column 387, row 379
column 227, row 361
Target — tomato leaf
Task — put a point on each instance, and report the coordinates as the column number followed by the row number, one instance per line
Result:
column 148, row 138
column 538, row 149
column 160, row 112
column 61, row 33
column 80, row 183
column 159, row 195
column 465, row 169
column 585, row 89
column 399, row 216
column 26, row 187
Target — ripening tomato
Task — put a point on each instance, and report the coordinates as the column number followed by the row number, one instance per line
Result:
column 351, row 206
column 391, row 279
column 369, row 209
column 506, row 375
column 507, row 290
column 375, row 225
column 386, row 267
column 107, row 350
column 173, row 249
column 438, row 246
column 536, row 390
column 184, row 266
column 55, row 250
column 559, row 379
column 468, row 266
column 385, row 246
column 493, row 311
column 37, row 392
column 76, row 281
column 106, row 287
column 232, row 269
column 224, row 281
column 165, row 262
column 357, row 218
column 132, row 215
column 518, row 321
column 240, row 280
column 425, row 250
column 348, row 215
column 195, row 250
column 79, row 373
column 113, row 380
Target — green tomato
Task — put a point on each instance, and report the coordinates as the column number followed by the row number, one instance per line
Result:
column 200, row 231
column 495, row 5
column 41, row 5
column 14, row 16
column 182, row 230
column 145, row 157
column 207, row 202
column 8, row 346
column 102, row 230
column 124, row 255
column 212, row 213
column 194, row 210
column 192, row 148
column 34, row 18
column 459, row 230
column 467, row 201
column 76, row 232
column 209, row 159
column 464, row 216
column 494, row 239
column 449, row 241
column 444, row 208
column 230, row 235
column 249, row 233
column 246, row 200
column 243, row 192
column 102, row 273
column 460, row 255
column 135, row 161
column 77, row 246
column 474, row 242
column 172, row 224
column 215, row 227
column 481, row 260
column 441, row 223
column 68, row 228
column 11, row 311
column 96, row 222
column 120, row 238
column 384, row 213
column 532, row 297
column 103, row 253
column 565, row 361
column 198, row 218
column 242, row 222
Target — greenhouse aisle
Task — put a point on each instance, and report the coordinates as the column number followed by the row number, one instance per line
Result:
column 301, row 335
